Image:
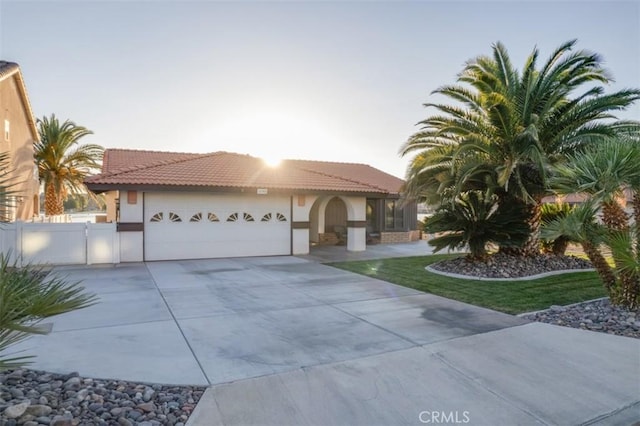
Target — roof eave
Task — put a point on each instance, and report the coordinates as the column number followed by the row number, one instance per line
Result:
column 22, row 88
column 105, row 187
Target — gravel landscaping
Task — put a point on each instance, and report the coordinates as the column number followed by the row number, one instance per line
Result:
column 501, row 265
column 31, row 398
column 598, row 315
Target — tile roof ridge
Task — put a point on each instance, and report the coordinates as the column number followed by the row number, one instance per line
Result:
column 344, row 179
column 348, row 163
column 152, row 151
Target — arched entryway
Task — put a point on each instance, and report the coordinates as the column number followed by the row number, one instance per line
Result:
column 329, row 221
column 338, row 220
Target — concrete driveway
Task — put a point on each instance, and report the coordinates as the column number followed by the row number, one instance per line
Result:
column 286, row 340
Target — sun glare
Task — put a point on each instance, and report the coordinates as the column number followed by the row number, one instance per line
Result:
column 272, row 160
column 269, row 132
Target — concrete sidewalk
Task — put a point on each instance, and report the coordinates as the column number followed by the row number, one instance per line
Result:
column 287, row 340
column 534, row 374
column 326, row 254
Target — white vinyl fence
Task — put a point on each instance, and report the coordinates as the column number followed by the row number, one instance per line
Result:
column 60, row 243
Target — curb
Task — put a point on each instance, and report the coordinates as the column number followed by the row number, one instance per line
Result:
column 527, row 278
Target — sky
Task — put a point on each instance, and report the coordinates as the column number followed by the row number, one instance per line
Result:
column 336, row 81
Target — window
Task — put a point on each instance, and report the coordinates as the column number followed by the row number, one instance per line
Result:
column 7, row 130
column 372, row 219
column 212, row 217
column 247, row 217
column 266, row 218
column 156, row 217
column 393, row 215
column 232, row 217
column 173, row 217
column 281, row 217
column 196, row 217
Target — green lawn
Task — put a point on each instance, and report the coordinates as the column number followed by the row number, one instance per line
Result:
column 507, row 296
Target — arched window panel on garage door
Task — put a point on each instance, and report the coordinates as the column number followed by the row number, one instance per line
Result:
column 157, row 217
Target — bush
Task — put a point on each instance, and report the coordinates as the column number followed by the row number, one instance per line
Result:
column 475, row 219
column 28, row 295
column 551, row 212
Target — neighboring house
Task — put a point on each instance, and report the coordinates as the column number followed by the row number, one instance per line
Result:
column 19, row 132
column 625, row 200
column 186, row 206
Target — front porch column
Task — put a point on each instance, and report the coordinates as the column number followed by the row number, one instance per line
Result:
column 356, row 223
column 356, row 235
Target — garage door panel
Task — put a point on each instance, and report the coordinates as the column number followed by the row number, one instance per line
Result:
column 190, row 226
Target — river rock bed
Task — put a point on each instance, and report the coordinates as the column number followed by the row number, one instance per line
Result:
column 31, row 398
column 502, row 265
column 598, row 315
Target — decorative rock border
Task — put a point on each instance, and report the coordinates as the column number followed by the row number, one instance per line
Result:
column 527, row 278
column 594, row 315
column 507, row 267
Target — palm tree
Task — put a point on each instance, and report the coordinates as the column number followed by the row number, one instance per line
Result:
column 604, row 173
column 511, row 126
column 62, row 164
column 579, row 225
column 473, row 220
column 27, row 297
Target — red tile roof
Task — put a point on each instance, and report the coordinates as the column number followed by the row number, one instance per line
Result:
column 123, row 167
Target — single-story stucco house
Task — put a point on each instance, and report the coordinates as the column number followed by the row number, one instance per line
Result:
column 171, row 205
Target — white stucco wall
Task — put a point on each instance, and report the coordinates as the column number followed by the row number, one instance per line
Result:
column 301, row 206
column 356, row 207
column 131, row 212
column 131, row 247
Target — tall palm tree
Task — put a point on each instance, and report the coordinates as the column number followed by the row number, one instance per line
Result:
column 509, row 127
column 62, row 163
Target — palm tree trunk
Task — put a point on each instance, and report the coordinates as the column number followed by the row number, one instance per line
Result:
column 53, row 203
column 636, row 218
column 614, row 217
column 601, row 266
column 531, row 246
column 617, row 220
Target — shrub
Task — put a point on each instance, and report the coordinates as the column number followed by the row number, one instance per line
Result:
column 474, row 219
column 28, row 295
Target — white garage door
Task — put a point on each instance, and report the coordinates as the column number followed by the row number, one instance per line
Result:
column 200, row 226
